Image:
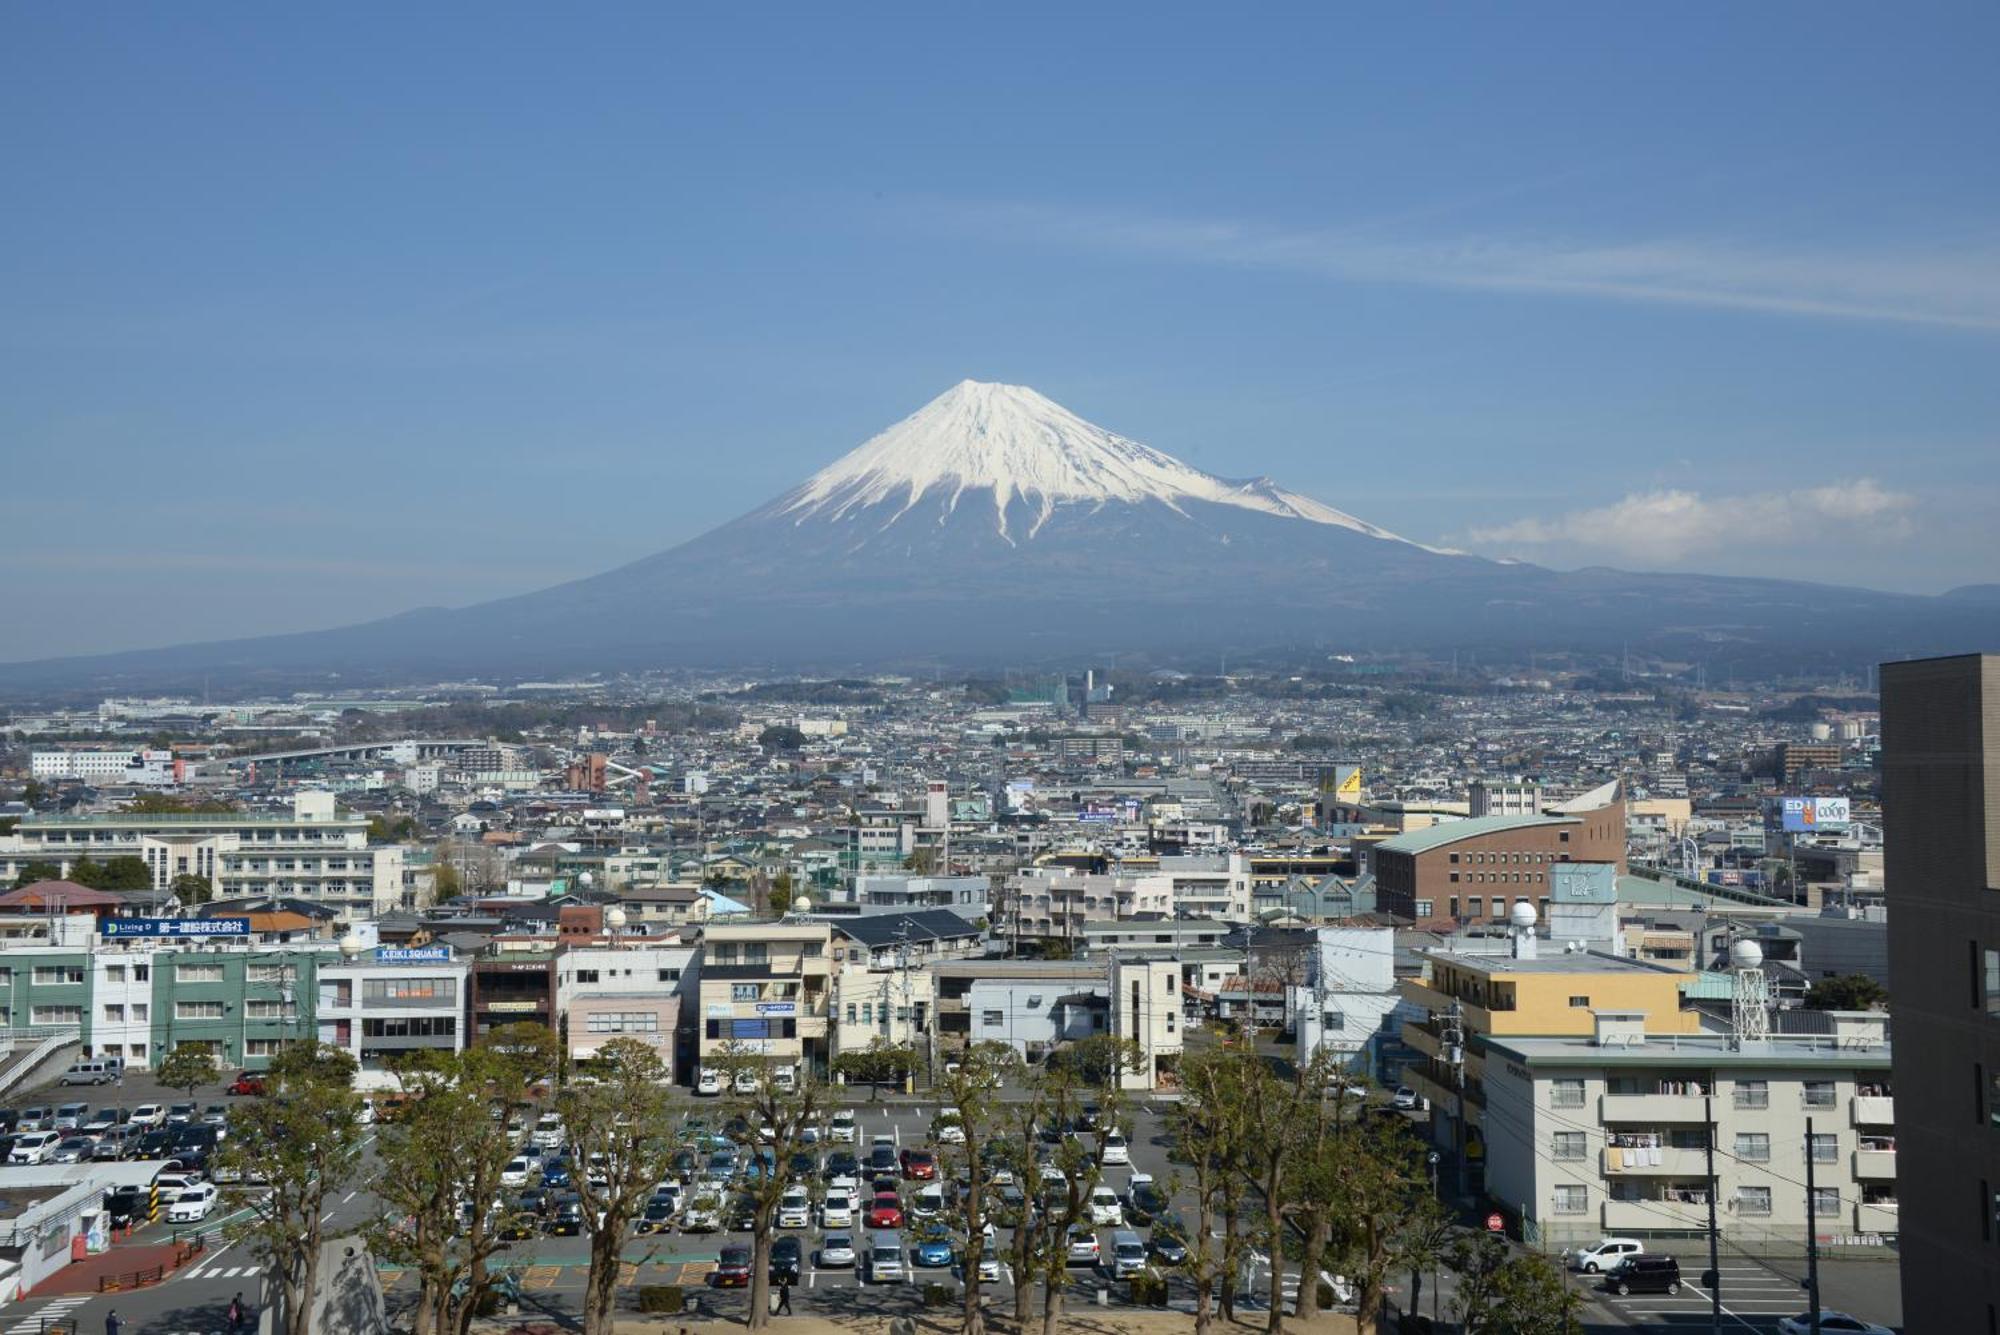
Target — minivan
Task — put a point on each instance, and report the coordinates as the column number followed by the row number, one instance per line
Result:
column 34, row 1147
column 1646, row 1274
column 94, row 1072
column 1128, row 1254
column 70, row 1116
column 885, row 1258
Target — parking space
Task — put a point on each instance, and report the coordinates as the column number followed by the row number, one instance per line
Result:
column 1755, row 1293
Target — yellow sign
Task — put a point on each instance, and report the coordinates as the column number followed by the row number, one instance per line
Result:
column 1350, row 786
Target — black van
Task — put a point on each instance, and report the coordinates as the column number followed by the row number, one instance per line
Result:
column 1645, row 1274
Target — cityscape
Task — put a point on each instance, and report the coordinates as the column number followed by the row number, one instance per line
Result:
column 1060, row 671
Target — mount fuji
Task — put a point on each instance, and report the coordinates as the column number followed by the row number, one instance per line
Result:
column 996, row 526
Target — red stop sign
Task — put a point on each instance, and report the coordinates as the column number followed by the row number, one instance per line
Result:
column 1495, row 1224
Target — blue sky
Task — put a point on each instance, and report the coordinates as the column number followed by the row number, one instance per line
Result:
column 306, row 318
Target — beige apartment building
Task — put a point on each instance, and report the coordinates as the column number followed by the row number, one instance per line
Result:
column 767, row 988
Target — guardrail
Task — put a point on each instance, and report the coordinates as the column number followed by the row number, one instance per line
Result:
column 131, row 1279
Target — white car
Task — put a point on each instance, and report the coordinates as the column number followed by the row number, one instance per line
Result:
column 35, row 1147
column 841, row 1128
column 1116, row 1149
column 146, row 1115
column 515, row 1174
column 795, row 1209
column 746, row 1082
column 549, row 1133
column 365, row 1114
column 193, row 1205
column 704, row 1215
column 836, row 1252
column 948, row 1130
column 1831, row 1323
column 842, row 1199
column 1104, row 1206
column 708, row 1084
column 172, row 1186
column 1605, row 1256
column 1406, row 1099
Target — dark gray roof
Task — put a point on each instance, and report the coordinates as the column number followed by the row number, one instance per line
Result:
column 876, row 930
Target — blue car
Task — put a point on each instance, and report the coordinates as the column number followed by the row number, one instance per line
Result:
column 555, row 1174
column 934, row 1252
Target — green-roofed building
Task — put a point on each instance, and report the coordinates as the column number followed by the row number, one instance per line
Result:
column 1465, row 871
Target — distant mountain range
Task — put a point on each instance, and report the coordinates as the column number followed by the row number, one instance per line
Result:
column 994, row 526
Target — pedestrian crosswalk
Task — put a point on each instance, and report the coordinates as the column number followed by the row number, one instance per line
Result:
column 222, row 1272
column 31, row 1320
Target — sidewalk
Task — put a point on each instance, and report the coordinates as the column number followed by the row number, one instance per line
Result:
column 1077, row 1319
column 119, row 1263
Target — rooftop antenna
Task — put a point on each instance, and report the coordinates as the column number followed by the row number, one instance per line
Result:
column 1750, row 999
column 1521, row 927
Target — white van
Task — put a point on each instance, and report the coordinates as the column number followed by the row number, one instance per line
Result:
column 35, row 1147
column 94, row 1072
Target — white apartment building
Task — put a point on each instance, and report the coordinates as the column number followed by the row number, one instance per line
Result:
column 381, row 1004
column 1605, row 1134
column 1346, row 1005
column 1059, row 901
column 121, row 993
column 1035, row 1006
column 142, row 768
column 313, row 854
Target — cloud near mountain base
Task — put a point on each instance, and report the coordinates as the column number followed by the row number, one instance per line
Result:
column 1669, row 525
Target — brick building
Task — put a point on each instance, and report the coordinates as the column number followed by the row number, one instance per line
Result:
column 1472, row 870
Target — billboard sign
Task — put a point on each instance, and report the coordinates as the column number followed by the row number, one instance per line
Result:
column 1803, row 815
column 116, row 928
column 427, row 955
column 777, row 1008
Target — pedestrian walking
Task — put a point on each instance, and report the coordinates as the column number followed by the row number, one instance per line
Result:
column 113, row 1325
column 785, row 1297
column 236, row 1315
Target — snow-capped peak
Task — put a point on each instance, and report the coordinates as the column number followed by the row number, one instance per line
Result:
column 1016, row 444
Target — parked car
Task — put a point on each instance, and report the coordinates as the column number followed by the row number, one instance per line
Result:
column 836, row 1252
column 882, row 1158
column 1831, row 1323
column 1083, row 1248
column 90, row 1072
column 1608, row 1254
column 1143, row 1201
column 885, row 1211
column 194, row 1204
column 1405, row 1099
column 885, row 1259
column 247, row 1084
column 34, row 1147
column 948, row 1129
column 703, row 1214
column 215, row 1115
column 566, row 1216
column 72, row 1149
column 936, row 1248
column 841, row 1163
column 70, row 1116
column 156, row 1143
column 657, row 1217
column 36, row 1118
column 146, row 1114
column 127, row 1206
column 515, row 1173
column 795, row 1209
column 555, row 1173
column 708, row 1084
column 549, row 1133
column 99, row 1122
column 1117, row 1150
column 1128, row 1254
column 1645, row 1274
column 732, row 1268
column 919, row 1165
column 787, row 1260
column 841, row 1126
column 180, row 1114
column 1104, row 1207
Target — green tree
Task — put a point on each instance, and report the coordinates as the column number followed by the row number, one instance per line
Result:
column 34, row 793
column 1423, row 1242
column 191, row 889
column 1849, row 992
column 776, row 1113
column 445, row 881
column 188, row 1067
column 781, row 737
column 880, row 1063
column 300, row 1140
column 923, row 861
column 440, row 1166
column 780, row 894
column 617, row 1113
column 385, row 829
column 1500, row 1293
column 968, row 1090
column 126, row 874
column 87, row 871
column 33, row 872
column 1210, row 1129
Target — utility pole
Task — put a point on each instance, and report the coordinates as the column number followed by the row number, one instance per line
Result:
column 1714, row 1276
column 1454, row 1050
column 1812, row 1236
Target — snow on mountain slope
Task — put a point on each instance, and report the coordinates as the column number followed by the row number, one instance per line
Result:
column 1004, row 443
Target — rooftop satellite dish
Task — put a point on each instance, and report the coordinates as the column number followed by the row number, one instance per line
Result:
column 1523, row 913
column 351, row 944
column 1746, row 954
column 802, row 904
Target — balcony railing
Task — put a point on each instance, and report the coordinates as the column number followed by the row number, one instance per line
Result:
column 1874, row 1110
column 1875, row 1165
column 1652, row 1108
column 1658, row 1162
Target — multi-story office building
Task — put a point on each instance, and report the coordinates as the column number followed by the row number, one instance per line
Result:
column 380, row 1005
column 1941, row 823
column 1476, row 868
column 1036, row 1006
column 632, row 989
column 313, row 854
column 144, row 768
column 1606, row 1134
column 1500, row 797
column 1796, row 759
column 767, row 990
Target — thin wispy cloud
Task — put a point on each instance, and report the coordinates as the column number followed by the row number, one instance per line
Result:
column 1670, row 525
column 1920, row 284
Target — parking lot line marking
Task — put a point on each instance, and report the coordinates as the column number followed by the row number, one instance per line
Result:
column 1725, row 1308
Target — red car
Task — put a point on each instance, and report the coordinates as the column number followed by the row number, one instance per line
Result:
column 246, row 1083
column 886, row 1211
column 732, row 1270
column 919, row 1165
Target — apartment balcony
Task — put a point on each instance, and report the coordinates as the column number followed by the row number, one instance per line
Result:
column 1641, row 1216
column 1876, row 1219
column 1875, row 1165
column 1424, row 1038
column 1476, row 1019
column 1651, row 1108
column 1874, row 1110
column 1654, row 1163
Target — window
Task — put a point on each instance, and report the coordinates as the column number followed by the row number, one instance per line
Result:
column 1454, row 862
column 1992, row 982
column 58, row 1015
column 1753, row 1146
column 1454, row 878
column 868, row 1013
column 810, row 950
column 1571, row 1198
column 670, row 975
column 263, row 1047
column 1170, row 1019
column 850, row 1012
column 623, row 1022
column 586, row 975
column 1453, row 906
column 197, row 973
column 990, row 1019
column 1334, row 1020
column 48, row 975
column 1570, row 1145
column 1826, row 1201
column 142, row 973
column 745, row 991
column 1562, row 836
column 1817, row 1094
column 113, row 973
column 409, row 989
column 1753, row 1200
column 274, row 973
column 1825, row 1149
column 1566, row 1093
column 1425, row 907
column 756, row 952
column 1993, row 1101
column 1475, row 906
column 197, row 1010
column 1579, row 1003
column 114, row 1014
column 724, row 952
column 141, row 1012
column 1753, row 1094
column 270, row 1010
